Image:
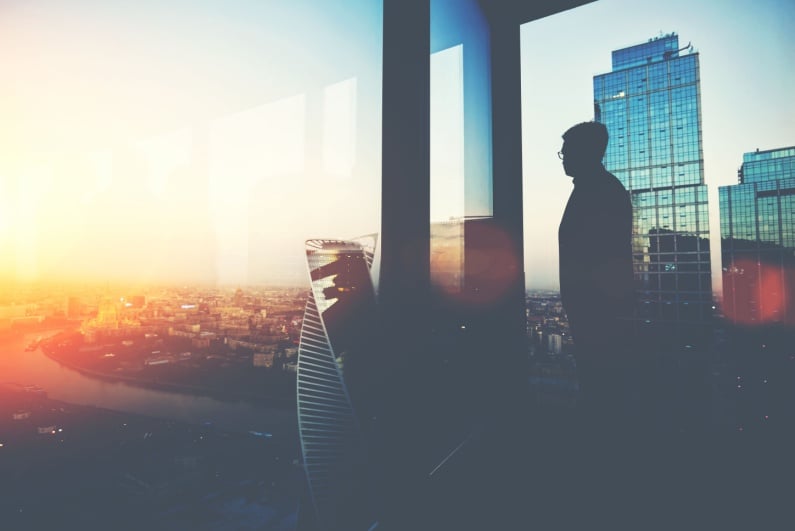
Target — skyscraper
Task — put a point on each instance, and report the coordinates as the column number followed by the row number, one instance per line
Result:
column 757, row 226
column 650, row 103
column 333, row 338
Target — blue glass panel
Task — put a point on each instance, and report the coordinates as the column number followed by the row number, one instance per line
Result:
column 461, row 23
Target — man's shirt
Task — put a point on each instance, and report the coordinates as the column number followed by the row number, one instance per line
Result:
column 596, row 278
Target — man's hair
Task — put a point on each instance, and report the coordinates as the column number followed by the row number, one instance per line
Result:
column 589, row 139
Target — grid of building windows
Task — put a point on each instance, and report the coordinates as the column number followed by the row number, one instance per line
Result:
column 757, row 224
column 650, row 103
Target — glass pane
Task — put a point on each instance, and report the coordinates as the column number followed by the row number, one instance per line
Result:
column 166, row 163
column 461, row 178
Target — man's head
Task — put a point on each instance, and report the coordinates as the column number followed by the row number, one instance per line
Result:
column 584, row 146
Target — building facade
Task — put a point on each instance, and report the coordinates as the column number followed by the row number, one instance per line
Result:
column 757, row 225
column 650, row 104
column 341, row 300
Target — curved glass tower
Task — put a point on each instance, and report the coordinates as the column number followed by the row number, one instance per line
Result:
column 337, row 315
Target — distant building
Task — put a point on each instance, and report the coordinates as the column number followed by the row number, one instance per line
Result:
column 237, row 300
column 263, row 359
column 200, row 342
column 108, row 322
column 651, row 106
column 757, row 223
column 554, row 343
column 107, row 314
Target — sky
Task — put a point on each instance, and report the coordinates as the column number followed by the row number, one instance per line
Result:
column 205, row 141
column 185, row 141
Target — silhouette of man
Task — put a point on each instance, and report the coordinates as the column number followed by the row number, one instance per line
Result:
column 596, row 279
column 596, row 286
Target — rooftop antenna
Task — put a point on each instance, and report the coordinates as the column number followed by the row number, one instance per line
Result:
column 668, row 54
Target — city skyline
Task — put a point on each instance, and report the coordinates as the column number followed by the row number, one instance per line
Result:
column 56, row 211
column 196, row 215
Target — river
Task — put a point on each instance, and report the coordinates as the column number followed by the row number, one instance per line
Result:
column 61, row 383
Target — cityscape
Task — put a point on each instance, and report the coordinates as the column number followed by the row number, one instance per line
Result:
column 237, row 347
column 152, row 455
column 199, row 334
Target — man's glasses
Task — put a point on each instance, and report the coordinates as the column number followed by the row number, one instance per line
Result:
column 560, row 155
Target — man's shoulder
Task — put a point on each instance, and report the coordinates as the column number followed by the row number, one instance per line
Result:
column 609, row 184
column 614, row 181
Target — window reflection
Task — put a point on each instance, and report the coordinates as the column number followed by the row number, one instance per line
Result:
column 447, row 135
column 245, row 149
column 339, row 129
column 460, row 136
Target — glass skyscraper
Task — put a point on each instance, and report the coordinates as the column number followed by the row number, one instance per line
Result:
column 330, row 356
column 757, row 226
column 650, row 103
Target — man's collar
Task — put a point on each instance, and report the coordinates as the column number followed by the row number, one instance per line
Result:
column 596, row 174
